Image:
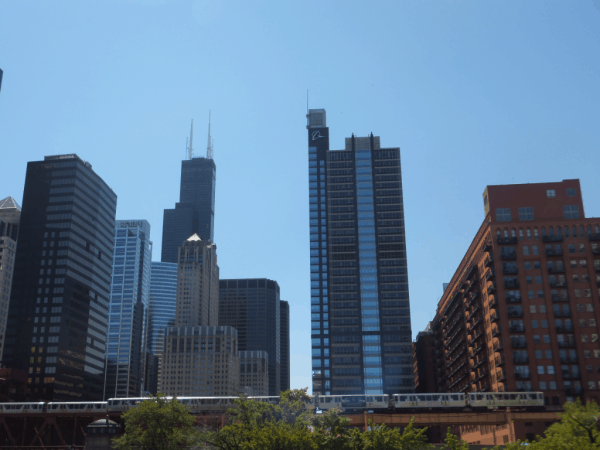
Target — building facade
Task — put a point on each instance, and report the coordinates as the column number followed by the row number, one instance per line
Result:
column 252, row 307
column 200, row 362
column 521, row 312
column 423, row 361
column 10, row 214
column 254, row 373
column 162, row 305
column 128, row 310
column 197, row 284
column 361, row 335
column 58, row 310
column 195, row 212
column 284, row 331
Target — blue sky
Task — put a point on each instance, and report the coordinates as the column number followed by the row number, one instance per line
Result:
column 474, row 93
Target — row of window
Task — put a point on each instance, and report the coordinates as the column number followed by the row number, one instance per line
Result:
column 526, row 213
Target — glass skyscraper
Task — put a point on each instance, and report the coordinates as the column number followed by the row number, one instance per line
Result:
column 128, row 309
column 195, row 212
column 361, row 336
column 58, row 311
column 252, row 307
column 162, row 305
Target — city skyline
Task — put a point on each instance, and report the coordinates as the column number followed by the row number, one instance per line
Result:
column 474, row 95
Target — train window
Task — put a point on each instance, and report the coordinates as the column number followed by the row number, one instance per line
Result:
column 479, row 396
column 455, row 397
column 540, row 396
column 513, row 396
column 428, row 398
column 378, row 399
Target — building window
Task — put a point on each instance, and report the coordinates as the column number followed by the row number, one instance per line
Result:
column 551, row 193
column 571, row 192
column 503, row 214
column 526, row 213
column 571, row 211
column 526, row 250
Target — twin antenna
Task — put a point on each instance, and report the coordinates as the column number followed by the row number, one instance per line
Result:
column 189, row 142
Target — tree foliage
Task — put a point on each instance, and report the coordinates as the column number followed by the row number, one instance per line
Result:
column 157, row 424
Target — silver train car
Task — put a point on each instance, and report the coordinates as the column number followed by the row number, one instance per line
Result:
column 22, row 408
column 441, row 401
column 492, row 400
column 75, row 407
column 351, row 402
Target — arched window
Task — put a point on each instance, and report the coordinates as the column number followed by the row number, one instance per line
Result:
column 589, row 230
column 521, row 236
column 581, row 231
column 566, row 232
column 551, row 230
column 513, row 232
column 535, row 233
column 543, row 231
column 498, row 232
column 596, row 229
column 574, row 231
column 559, row 230
column 506, row 232
column 528, row 234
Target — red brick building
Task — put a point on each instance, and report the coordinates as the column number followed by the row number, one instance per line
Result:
column 521, row 312
column 423, row 361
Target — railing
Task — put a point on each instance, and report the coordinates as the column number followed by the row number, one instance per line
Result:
column 516, row 328
column 574, row 391
column 494, row 317
column 504, row 240
column 522, row 376
column 508, row 256
column 501, row 375
column 594, row 237
column 563, row 328
column 515, row 313
column 562, row 313
column 493, row 303
column 491, row 288
column 567, row 344
column 560, row 298
column 552, row 238
column 510, row 270
column 512, row 299
column 511, row 284
column 554, row 252
column 498, row 346
column 500, row 360
column 558, row 283
column 491, row 273
column 521, row 360
column 518, row 344
column 497, row 331
column 487, row 247
column 556, row 269
column 489, row 261
column 568, row 359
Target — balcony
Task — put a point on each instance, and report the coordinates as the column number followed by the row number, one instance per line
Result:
column 507, row 240
column 494, row 317
column 472, row 271
column 556, row 269
column 571, row 376
column 493, row 304
column 554, row 252
column 487, row 247
column 510, row 270
column 567, row 359
column 518, row 344
column 574, row 391
column 500, row 360
column 563, row 329
column 516, row 328
column 558, row 284
column 560, row 298
column 521, row 360
column 552, row 238
column 515, row 313
column 523, row 376
column 497, row 331
column 597, row 268
column 562, row 314
column 594, row 237
column 491, row 288
column 512, row 299
column 476, row 321
column 479, row 363
column 508, row 256
column 482, row 375
column 476, row 350
column 567, row 344
column 511, row 284
column 472, row 298
column 489, row 261
column 490, row 275
column 501, row 375
column 498, row 347
column 595, row 251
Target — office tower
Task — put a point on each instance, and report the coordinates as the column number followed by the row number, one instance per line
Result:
column 197, row 284
column 162, row 305
column 284, row 332
column 128, row 309
column 59, row 302
column 423, row 360
column 1, row 75
column 361, row 337
column 10, row 214
column 521, row 311
column 200, row 361
column 254, row 373
column 252, row 307
column 195, row 212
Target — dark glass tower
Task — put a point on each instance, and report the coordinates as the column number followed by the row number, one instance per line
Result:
column 195, row 212
column 252, row 307
column 58, row 310
column 284, row 327
column 361, row 337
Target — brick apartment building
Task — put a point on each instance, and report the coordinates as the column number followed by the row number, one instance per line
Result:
column 521, row 312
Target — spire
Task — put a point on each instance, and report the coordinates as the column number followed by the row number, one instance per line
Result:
column 188, row 143
column 209, row 146
column 9, row 203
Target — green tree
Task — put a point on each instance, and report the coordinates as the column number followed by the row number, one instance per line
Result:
column 453, row 443
column 158, row 424
column 385, row 438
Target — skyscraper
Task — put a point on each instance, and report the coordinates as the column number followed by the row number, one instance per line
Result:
column 195, row 212
column 59, row 302
column 252, row 307
column 361, row 336
column 10, row 214
column 162, row 305
column 128, row 310
column 284, row 331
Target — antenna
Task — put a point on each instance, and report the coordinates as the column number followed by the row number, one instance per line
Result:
column 307, row 101
column 209, row 146
column 190, row 148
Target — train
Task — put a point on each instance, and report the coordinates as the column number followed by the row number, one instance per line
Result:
column 398, row 403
